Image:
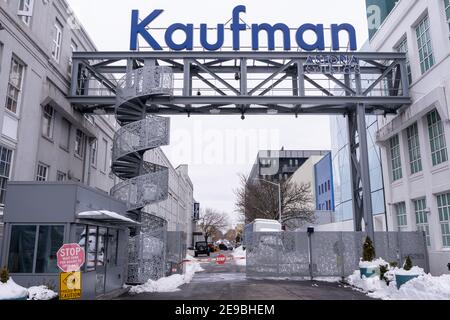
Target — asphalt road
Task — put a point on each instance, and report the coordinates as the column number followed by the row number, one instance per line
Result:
column 229, row 282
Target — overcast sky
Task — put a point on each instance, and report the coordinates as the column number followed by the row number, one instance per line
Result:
column 218, row 148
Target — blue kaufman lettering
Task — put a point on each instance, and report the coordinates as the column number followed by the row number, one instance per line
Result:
column 141, row 29
column 270, row 30
column 336, row 29
column 320, row 37
column 237, row 27
column 204, row 37
column 138, row 28
column 188, row 30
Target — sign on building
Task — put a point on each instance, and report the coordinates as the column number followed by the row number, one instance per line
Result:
column 70, row 285
column 196, row 211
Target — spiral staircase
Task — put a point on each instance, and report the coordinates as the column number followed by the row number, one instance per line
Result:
column 143, row 183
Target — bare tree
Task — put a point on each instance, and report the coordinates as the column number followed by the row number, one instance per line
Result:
column 230, row 235
column 259, row 200
column 212, row 221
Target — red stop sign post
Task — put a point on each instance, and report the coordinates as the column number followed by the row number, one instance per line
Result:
column 70, row 257
column 221, row 259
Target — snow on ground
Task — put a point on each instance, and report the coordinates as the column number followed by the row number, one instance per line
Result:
column 11, row 290
column 425, row 287
column 318, row 279
column 239, row 255
column 41, row 293
column 171, row 283
column 375, row 263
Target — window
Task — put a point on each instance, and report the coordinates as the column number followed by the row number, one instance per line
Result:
column 415, row 159
column 42, row 172
column 48, row 121
column 396, row 161
column 25, row 11
column 21, row 249
column 61, row 176
column 57, row 41
column 101, row 247
column 329, row 185
column 403, row 47
column 424, row 43
column 443, row 201
column 94, row 147
column 28, row 256
column 447, row 11
column 437, row 138
column 420, row 208
column 91, row 248
column 15, row 83
column 105, row 158
column 74, row 48
column 113, row 237
column 5, row 168
column 65, row 134
column 50, row 240
column 79, row 143
column 402, row 219
column 80, row 236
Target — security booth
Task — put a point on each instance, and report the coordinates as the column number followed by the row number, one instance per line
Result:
column 40, row 217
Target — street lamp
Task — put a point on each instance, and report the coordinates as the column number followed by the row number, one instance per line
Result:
column 279, row 194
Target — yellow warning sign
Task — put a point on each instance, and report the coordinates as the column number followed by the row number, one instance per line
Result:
column 70, row 285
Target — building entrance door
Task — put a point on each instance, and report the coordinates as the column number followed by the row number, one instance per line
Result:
column 101, row 261
column 113, row 279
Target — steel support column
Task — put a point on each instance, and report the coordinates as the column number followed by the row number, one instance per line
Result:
column 365, row 171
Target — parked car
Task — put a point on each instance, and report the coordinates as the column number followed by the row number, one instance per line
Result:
column 201, row 247
column 224, row 245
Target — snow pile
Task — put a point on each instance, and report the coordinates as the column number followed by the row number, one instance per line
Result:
column 374, row 263
column 413, row 271
column 425, row 287
column 41, row 293
column 239, row 255
column 172, row 283
column 372, row 284
column 11, row 290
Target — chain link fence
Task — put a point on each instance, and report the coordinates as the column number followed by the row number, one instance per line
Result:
column 327, row 254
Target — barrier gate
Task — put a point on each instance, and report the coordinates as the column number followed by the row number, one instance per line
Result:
column 327, row 254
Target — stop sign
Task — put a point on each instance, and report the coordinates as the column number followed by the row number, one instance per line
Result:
column 221, row 258
column 70, row 257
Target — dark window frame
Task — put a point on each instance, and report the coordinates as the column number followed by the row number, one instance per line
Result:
column 36, row 245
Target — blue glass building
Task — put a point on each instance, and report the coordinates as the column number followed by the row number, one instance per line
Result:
column 323, row 175
column 341, row 169
column 377, row 12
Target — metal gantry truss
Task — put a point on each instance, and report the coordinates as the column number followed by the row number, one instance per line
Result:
column 254, row 83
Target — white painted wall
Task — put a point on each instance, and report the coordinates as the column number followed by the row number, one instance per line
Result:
column 429, row 91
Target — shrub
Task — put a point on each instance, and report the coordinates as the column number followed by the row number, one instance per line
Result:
column 408, row 264
column 4, row 275
column 383, row 270
column 368, row 250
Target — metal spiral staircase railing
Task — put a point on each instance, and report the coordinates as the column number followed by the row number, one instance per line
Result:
column 143, row 183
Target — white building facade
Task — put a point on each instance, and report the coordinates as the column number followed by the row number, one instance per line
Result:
column 42, row 137
column 414, row 143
